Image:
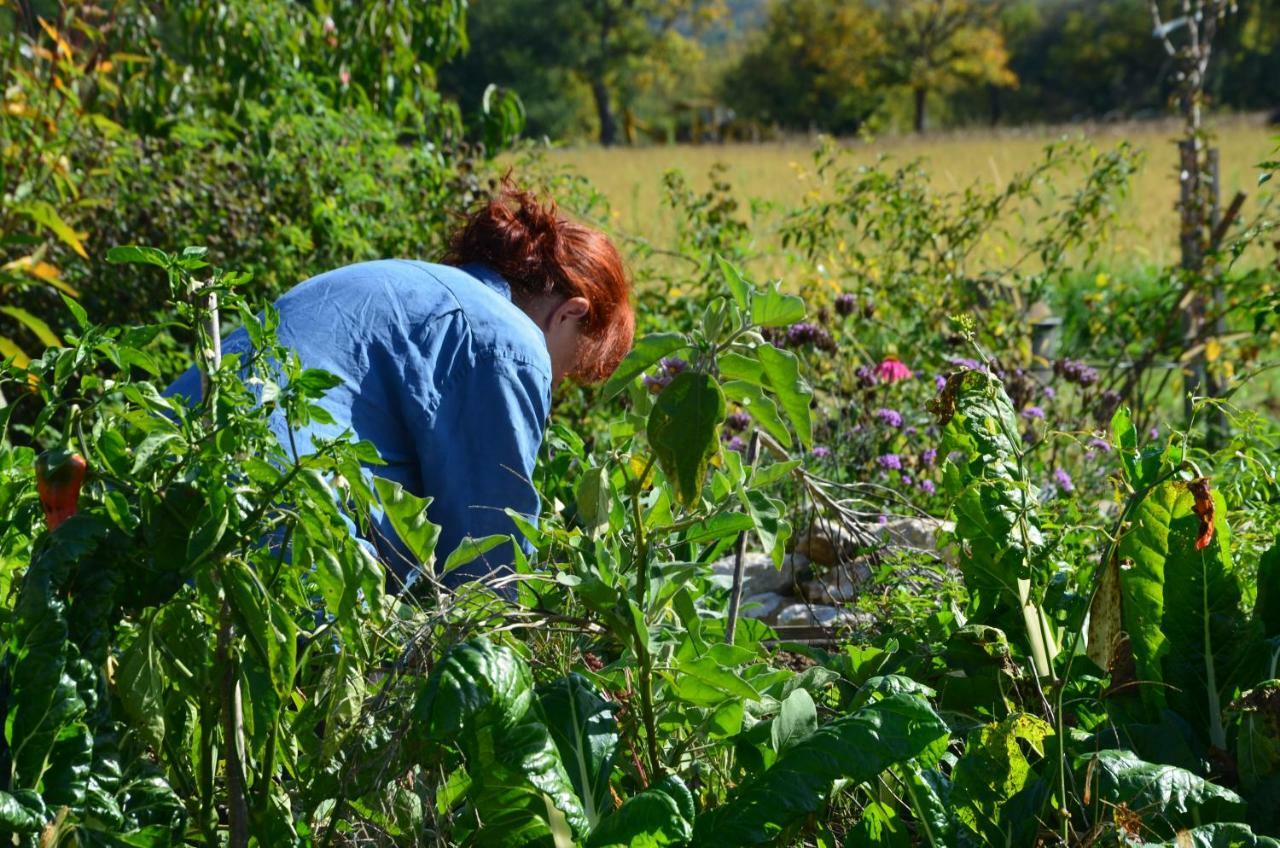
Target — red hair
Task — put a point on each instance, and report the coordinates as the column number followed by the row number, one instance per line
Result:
column 539, row 252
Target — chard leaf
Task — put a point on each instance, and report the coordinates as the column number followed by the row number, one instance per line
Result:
column 856, row 748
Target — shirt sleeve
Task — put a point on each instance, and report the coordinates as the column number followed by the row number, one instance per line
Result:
column 476, row 454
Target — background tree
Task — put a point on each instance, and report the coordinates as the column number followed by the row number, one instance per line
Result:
column 940, row 45
column 814, row 63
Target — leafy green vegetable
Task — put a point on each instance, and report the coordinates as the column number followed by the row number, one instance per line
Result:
column 857, row 747
column 682, row 431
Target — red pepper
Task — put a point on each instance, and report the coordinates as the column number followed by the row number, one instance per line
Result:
column 59, row 474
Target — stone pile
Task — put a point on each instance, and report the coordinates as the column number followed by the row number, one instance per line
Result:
column 821, row 578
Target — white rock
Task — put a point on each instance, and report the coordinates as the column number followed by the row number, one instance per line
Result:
column 918, row 533
column 826, row 616
column 764, row 606
column 836, row 585
column 759, row 575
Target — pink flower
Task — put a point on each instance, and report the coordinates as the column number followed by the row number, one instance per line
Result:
column 344, row 76
column 892, row 370
column 329, row 26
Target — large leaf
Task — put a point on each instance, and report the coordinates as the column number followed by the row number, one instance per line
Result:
column 682, row 431
column 479, row 698
column 1180, row 605
column 660, row 816
column 1168, row 798
column 760, row 407
column 585, row 732
column 772, row 308
column 1266, row 608
column 993, row 770
column 408, row 514
column 793, row 393
column 1222, row 835
column 796, row 721
column 857, row 747
column 647, row 351
column 995, row 505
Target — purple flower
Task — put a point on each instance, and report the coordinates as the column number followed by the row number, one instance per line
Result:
column 673, row 365
column 927, row 487
column 865, row 376
column 891, row 370
column 821, row 452
column 1075, row 371
column 1033, row 412
column 804, row 333
column 965, row 362
column 910, row 431
column 737, row 421
column 956, row 456
column 890, row 461
column 846, row 304
column 1063, row 480
column 882, row 519
column 889, row 417
column 1050, row 392
column 1101, row 445
column 929, row 457
column 1154, row 433
column 736, row 444
column 656, row 384
column 940, row 382
column 906, row 479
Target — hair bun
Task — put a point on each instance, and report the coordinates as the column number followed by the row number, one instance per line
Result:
column 539, row 252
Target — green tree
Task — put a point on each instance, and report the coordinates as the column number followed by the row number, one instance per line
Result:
column 814, row 63
column 602, row 45
column 939, row 45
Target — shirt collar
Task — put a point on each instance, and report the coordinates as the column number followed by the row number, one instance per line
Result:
column 491, row 278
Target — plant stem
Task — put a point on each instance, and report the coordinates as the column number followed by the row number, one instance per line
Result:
column 232, row 733
column 740, row 553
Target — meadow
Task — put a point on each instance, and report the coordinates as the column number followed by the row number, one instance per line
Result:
column 782, row 172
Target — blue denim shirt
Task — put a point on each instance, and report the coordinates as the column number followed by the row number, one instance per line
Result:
column 448, row 378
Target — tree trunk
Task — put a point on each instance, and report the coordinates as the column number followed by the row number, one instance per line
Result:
column 920, row 95
column 604, row 110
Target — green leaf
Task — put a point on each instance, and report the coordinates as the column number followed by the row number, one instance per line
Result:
column 140, row 683
column 795, row 722
column 1168, row 797
column 737, row 285
column 1220, row 835
column 705, row 682
column 479, row 697
column 585, row 732
column 766, row 516
column 647, row 351
column 408, row 514
column 1180, row 606
column 271, row 633
column 469, row 549
column 735, row 366
column 857, row 748
column 19, row 817
column 761, row 408
column 1125, row 436
column 772, row 308
column 993, row 769
column 682, row 431
column 996, row 508
column 881, row 827
column 660, row 816
column 36, row 325
column 78, row 313
column 1266, row 608
column 783, row 371
column 130, row 254
column 593, row 500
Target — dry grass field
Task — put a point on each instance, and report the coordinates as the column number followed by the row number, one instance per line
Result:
column 782, row 172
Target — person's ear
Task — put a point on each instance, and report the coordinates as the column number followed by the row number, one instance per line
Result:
column 571, row 309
